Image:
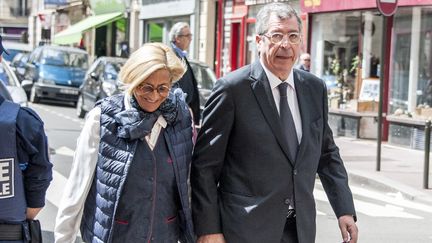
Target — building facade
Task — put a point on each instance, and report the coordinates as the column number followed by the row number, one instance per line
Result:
column 346, row 43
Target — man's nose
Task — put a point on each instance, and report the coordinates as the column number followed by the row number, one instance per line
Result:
column 284, row 42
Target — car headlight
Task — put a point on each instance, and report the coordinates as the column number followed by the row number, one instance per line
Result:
column 46, row 81
column 109, row 88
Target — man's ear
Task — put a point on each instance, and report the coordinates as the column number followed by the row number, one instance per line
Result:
column 258, row 39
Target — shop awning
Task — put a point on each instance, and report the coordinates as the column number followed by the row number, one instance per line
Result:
column 74, row 32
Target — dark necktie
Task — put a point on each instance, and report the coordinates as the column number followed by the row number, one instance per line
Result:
column 287, row 121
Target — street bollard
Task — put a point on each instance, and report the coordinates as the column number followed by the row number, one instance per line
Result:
column 426, row 157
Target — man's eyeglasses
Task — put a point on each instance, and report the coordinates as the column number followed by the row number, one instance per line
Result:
column 276, row 38
column 146, row 89
column 187, row 35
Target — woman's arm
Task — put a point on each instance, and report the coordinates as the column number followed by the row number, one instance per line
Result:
column 80, row 178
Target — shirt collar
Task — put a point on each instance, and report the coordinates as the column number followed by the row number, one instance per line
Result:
column 179, row 51
column 275, row 81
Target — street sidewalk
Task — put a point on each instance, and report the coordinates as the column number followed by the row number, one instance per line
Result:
column 401, row 168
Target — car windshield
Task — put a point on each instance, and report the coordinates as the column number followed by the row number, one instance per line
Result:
column 112, row 69
column 62, row 58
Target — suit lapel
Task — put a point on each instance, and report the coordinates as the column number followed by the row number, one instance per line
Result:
column 263, row 94
column 302, row 91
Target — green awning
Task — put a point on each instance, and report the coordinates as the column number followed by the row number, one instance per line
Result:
column 74, row 32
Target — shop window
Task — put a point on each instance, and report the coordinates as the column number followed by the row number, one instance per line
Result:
column 399, row 77
column 425, row 60
column 335, row 53
column 155, row 32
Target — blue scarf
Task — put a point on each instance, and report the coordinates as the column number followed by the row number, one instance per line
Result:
column 136, row 123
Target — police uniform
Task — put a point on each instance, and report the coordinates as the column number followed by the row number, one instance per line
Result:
column 25, row 169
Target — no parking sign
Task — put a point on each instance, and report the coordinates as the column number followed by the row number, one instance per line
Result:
column 387, row 7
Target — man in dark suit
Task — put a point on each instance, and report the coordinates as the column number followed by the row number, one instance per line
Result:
column 264, row 137
column 180, row 36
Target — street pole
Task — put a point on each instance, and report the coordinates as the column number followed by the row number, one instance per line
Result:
column 426, row 155
column 381, row 92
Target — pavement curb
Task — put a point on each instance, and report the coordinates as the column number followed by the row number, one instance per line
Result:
column 380, row 182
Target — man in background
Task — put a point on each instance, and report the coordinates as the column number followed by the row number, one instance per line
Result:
column 180, row 37
column 305, row 62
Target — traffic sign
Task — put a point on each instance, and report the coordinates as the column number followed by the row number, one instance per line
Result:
column 387, row 7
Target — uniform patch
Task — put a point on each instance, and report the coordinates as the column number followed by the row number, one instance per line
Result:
column 6, row 178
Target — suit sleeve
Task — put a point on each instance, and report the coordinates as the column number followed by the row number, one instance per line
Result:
column 332, row 171
column 208, row 159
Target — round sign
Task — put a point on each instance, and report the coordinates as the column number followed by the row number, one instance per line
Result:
column 387, row 7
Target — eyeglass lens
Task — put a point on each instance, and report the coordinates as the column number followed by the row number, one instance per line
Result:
column 293, row 38
column 163, row 90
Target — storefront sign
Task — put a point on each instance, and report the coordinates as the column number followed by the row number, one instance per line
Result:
column 387, row 7
column 320, row 6
column 255, row 2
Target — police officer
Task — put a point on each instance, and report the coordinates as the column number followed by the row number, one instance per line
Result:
column 25, row 169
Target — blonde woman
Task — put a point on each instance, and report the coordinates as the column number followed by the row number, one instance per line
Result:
column 128, row 182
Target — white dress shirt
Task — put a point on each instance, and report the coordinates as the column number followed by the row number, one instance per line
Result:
column 291, row 96
column 71, row 207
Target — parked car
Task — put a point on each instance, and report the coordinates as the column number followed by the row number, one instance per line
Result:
column 55, row 73
column 206, row 79
column 14, row 48
column 18, row 64
column 100, row 82
column 10, row 87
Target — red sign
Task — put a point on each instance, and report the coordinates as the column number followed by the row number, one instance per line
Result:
column 387, row 7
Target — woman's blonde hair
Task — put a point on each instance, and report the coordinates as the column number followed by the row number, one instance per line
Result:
column 148, row 59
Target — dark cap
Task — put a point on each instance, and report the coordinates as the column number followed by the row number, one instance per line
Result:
column 2, row 49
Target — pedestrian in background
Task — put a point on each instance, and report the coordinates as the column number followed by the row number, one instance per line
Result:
column 128, row 181
column 25, row 171
column 180, row 37
column 305, row 62
column 264, row 138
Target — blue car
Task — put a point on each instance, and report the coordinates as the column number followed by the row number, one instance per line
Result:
column 55, row 73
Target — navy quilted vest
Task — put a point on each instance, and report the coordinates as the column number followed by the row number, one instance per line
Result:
column 114, row 160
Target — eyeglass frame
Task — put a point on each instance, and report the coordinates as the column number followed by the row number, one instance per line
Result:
column 187, row 35
column 270, row 35
column 142, row 92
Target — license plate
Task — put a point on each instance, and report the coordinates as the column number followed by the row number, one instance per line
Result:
column 69, row 91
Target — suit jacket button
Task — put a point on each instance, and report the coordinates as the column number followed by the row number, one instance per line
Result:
column 287, row 202
column 295, row 172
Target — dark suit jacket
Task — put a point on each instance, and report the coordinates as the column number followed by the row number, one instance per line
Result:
column 189, row 85
column 241, row 171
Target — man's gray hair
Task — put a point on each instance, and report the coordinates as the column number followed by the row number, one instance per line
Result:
column 281, row 10
column 176, row 30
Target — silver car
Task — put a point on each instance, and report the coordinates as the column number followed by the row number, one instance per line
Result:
column 10, row 80
column 206, row 80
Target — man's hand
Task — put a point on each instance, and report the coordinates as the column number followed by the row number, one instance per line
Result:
column 211, row 238
column 32, row 212
column 348, row 229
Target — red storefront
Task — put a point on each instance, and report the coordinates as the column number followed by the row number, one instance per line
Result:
column 345, row 41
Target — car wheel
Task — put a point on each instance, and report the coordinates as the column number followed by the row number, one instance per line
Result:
column 33, row 96
column 79, row 107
